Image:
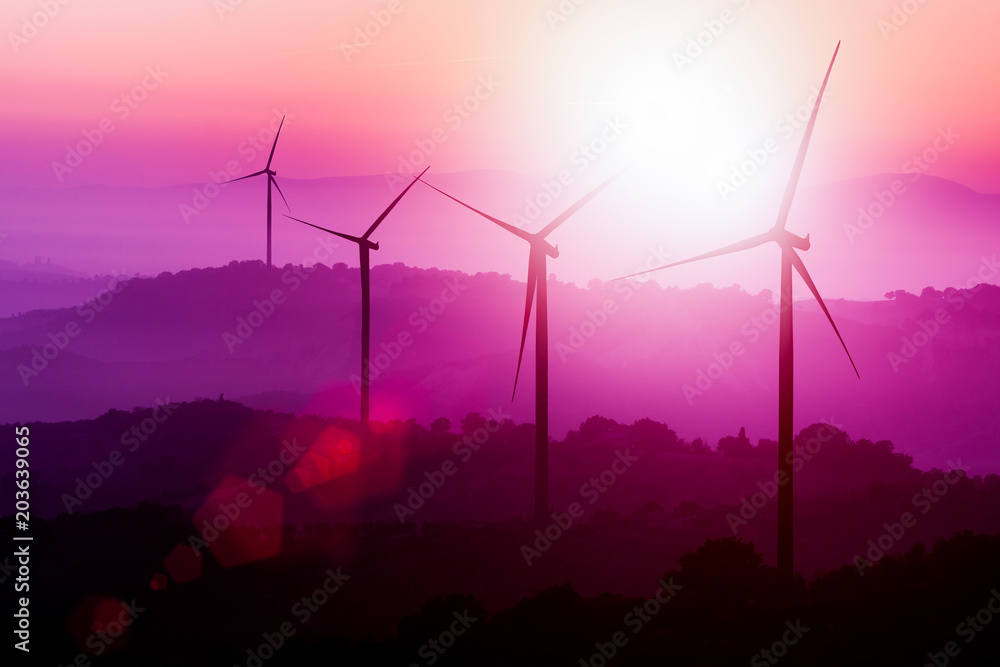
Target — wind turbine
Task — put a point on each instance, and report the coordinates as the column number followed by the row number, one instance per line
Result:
column 536, row 286
column 270, row 180
column 365, row 247
column 788, row 242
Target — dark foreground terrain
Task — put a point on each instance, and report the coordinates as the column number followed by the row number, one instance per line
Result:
column 229, row 536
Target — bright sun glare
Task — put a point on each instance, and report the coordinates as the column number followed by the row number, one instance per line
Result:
column 692, row 130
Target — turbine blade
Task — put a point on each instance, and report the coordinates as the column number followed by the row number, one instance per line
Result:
column 532, row 283
column 273, row 180
column 275, row 144
column 510, row 228
column 751, row 242
column 579, row 204
column 324, row 229
column 800, row 159
column 392, row 205
column 243, row 177
column 801, row 268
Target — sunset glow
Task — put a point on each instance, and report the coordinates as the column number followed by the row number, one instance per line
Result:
column 495, row 332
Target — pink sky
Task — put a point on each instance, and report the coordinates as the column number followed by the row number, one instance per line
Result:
column 547, row 83
column 557, row 85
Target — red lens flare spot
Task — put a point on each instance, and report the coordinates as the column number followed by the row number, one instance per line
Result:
column 335, row 453
column 342, row 471
column 100, row 625
column 240, row 522
column 183, row 564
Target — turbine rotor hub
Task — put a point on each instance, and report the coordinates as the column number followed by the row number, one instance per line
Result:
column 550, row 250
column 787, row 238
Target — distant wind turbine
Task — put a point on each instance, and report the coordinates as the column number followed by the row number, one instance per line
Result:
column 537, row 279
column 365, row 247
column 270, row 180
column 788, row 242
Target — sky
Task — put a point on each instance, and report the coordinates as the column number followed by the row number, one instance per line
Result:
column 163, row 93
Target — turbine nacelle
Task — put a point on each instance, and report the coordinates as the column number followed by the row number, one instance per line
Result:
column 787, row 239
column 550, row 250
column 362, row 242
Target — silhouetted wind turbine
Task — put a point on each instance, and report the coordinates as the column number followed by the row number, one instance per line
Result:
column 537, row 279
column 270, row 180
column 788, row 242
column 365, row 247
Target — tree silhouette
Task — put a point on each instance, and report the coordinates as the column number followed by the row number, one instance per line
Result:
column 440, row 426
column 471, row 422
column 592, row 427
column 738, row 446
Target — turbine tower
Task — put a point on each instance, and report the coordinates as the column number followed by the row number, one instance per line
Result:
column 788, row 242
column 365, row 247
column 537, row 278
column 270, row 181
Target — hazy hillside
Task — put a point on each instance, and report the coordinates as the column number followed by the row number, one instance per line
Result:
column 933, row 232
column 622, row 350
column 42, row 285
